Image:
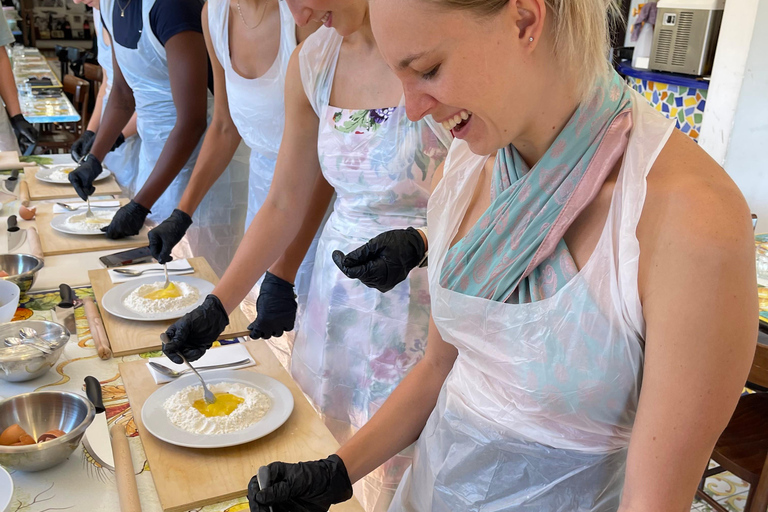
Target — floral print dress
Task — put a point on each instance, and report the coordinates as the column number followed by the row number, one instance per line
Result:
column 355, row 344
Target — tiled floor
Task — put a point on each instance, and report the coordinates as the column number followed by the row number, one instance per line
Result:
column 727, row 489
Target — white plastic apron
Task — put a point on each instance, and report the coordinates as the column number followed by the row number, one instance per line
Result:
column 537, row 413
column 257, row 107
column 124, row 161
column 218, row 222
column 355, row 344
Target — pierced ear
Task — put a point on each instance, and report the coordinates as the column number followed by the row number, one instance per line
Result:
column 530, row 18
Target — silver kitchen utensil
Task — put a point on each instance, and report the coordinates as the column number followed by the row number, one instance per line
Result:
column 80, row 207
column 16, row 235
column 136, row 273
column 88, row 214
column 12, row 181
column 15, row 342
column 40, row 412
column 168, row 372
column 97, row 439
column 167, row 279
column 209, row 397
column 65, row 310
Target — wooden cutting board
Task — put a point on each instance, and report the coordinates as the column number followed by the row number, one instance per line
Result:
column 188, row 479
column 40, row 190
column 131, row 337
column 54, row 242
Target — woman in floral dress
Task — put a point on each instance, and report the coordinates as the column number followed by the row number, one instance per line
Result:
column 354, row 344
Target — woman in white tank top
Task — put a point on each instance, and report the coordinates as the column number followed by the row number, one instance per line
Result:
column 249, row 44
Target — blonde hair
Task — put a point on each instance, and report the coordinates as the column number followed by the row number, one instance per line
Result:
column 581, row 30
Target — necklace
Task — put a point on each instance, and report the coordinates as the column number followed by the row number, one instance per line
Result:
column 122, row 9
column 263, row 12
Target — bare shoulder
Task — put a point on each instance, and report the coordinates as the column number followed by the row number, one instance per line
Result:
column 693, row 211
column 691, row 196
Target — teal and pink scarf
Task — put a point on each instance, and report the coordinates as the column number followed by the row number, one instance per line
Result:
column 515, row 253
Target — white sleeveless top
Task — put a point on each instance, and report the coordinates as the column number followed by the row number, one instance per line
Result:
column 538, row 410
column 257, row 106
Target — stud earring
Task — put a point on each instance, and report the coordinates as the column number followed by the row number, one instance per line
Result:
column 530, row 39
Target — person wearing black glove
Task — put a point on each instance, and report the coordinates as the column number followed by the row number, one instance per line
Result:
column 385, row 260
column 304, row 487
column 128, row 220
column 82, row 178
column 195, row 332
column 24, row 130
column 164, row 237
column 275, row 308
column 82, row 146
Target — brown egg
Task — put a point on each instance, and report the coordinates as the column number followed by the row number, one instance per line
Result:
column 25, row 440
column 27, row 213
column 12, row 435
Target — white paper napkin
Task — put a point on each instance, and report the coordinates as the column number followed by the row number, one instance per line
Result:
column 215, row 356
column 60, row 209
column 117, row 277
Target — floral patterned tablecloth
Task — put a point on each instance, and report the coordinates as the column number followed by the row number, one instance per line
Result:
column 80, row 483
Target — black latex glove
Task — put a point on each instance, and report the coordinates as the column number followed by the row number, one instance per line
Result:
column 128, row 220
column 82, row 146
column 275, row 308
column 385, row 260
column 24, row 130
column 82, row 177
column 119, row 142
column 303, row 487
column 195, row 332
column 164, row 237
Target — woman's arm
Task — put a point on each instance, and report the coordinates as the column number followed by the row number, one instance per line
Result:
column 401, row 419
column 698, row 290
column 95, row 120
column 279, row 219
column 188, row 70
column 118, row 112
column 8, row 90
column 221, row 139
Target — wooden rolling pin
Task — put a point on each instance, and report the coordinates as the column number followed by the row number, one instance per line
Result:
column 127, row 490
column 96, row 326
column 34, row 243
column 24, row 193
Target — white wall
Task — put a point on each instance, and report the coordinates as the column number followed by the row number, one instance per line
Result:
column 735, row 127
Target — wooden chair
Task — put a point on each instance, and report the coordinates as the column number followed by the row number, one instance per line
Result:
column 94, row 74
column 61, row 136
column 743, row 447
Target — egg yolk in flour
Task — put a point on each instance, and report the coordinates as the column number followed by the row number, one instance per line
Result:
column 223, row 406
column 171, row 292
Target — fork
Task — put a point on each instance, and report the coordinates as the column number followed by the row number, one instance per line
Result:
column 174, row 373
column 129, row 272
column 75, row 208
column 88, row 214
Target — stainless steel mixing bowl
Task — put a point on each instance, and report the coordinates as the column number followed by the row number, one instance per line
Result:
column 38, row 413
column 21, row 268
column 25, row 362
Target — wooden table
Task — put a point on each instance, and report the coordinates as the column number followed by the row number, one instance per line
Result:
column 56, row 243
column 41, row 190
column 186, row 478
column 131, row 337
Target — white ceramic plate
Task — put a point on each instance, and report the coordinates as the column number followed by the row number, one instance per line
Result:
column 113, row 300
column 45, row 174
column 59, row 222
column 156, row 420
column 6, row 489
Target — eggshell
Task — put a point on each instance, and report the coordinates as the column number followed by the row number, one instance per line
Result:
column 27, row 213
column 12, row 435
column 26, row 439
